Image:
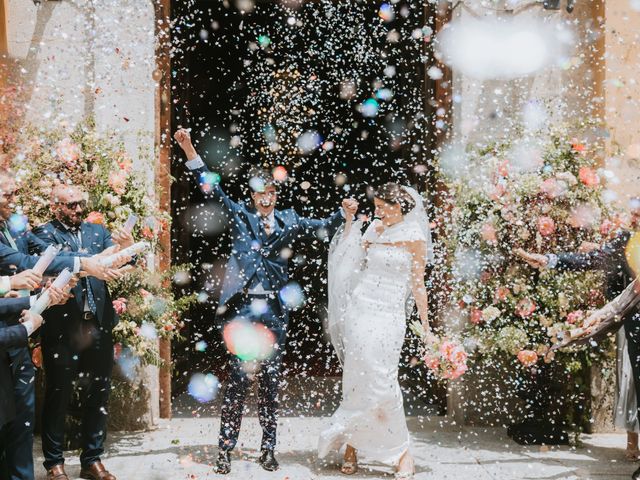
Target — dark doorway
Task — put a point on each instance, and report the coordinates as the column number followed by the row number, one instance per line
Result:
column 336, row 93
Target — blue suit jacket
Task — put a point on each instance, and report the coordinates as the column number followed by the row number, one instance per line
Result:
column 12, row 261
column 252, row 252
column 95, row 239
column 10, row 336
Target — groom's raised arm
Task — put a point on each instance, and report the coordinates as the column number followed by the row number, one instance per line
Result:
column 212, row 191
column 311, row 226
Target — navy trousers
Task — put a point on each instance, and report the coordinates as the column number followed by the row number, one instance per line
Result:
column 632, row 332
column 80, row 356
column 268, row 376
column 4, row 438
column 19, row 449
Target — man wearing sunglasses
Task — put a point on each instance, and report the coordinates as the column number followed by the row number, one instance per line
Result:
column 77, row 340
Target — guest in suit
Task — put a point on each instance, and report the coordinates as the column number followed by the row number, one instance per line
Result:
column 624, row 409
column 611, row 259
column 12, row 336
column 16, row 255
column 77, row 341
column 15, row 335
column 256, row 273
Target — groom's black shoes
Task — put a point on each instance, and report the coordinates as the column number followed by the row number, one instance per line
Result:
column 268, row 461
column 223, row 465
column 636, row 475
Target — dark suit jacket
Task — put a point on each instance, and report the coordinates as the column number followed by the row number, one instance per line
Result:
column 11, row 335
column 610, row 258
column 95, row 239
column 255, row 254
column 13, row 261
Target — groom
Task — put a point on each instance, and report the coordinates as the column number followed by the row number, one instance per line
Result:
column 255, row 274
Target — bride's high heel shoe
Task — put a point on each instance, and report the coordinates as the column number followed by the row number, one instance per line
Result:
column 349, row 468
column 407, row 475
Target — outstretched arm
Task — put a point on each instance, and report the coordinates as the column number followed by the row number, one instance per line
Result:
column 311, row 226
column 575, row 261
column 201, row 171
column 418, row 289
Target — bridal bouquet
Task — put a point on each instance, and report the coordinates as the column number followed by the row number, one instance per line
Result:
column 446, row 358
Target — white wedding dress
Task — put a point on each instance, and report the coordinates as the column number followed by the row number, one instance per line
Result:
column 368, row 295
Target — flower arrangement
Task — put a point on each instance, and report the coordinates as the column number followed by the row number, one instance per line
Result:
column 148, row 311
column 100, row 165
column 497, row 207
column 97, row 162
column 446, row 358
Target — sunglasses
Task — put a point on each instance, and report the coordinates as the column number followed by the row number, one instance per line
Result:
column 74, row 205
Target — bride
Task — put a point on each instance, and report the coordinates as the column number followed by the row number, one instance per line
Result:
column 371, row 280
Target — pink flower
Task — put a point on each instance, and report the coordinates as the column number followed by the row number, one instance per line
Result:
column 551, row 188
column 476, row 316
column 446, row 349
column 577, row 146
column 498, row 192
column 525, row 307
column 120, row 305
column 606, row 227
column 488, row 233
column 118, row 182
column 432, row 362
column 117, row 351
column 68, row 152
column 125, row 163
column 458, row 356
column 95, row 217
column 575, row 316
column 588, row 177
column 147, row 233
column 456, row 373
column 503, row 168
column 145, row 293
column 546, row 226
column 502, row 293
column 528, row 358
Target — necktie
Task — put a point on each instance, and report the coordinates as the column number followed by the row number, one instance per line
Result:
column 267, row 225
column 88, row 295
column 90, row 301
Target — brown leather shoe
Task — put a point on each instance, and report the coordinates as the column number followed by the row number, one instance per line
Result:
column 96, row 471
column 57, row 473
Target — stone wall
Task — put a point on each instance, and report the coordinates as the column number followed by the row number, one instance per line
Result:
column 88, row 58
column 622, row 93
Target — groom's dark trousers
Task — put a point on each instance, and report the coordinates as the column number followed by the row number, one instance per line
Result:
column 268, row 375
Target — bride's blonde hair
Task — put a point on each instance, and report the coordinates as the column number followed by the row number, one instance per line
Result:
column 394, row 194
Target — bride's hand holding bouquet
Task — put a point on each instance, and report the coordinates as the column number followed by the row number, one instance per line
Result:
column 446, row 358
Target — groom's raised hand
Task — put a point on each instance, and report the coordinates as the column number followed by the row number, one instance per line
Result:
column 183, row 137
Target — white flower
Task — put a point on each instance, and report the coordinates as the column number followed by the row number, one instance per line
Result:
column 489, row 314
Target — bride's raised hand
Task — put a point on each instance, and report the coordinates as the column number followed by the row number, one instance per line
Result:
column 429, row 337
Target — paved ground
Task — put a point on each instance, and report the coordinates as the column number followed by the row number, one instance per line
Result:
column 182, row 449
